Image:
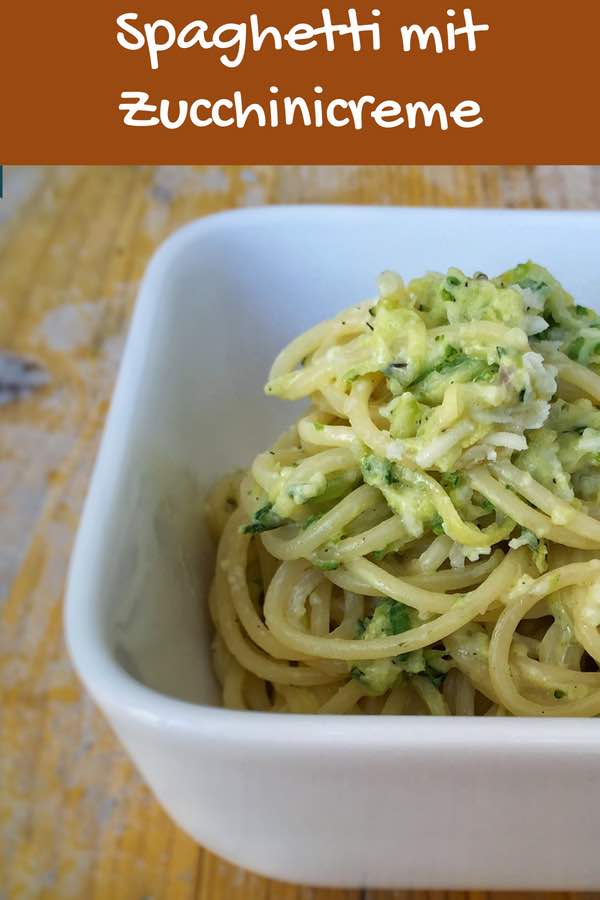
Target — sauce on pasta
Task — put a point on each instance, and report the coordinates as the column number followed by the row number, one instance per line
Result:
column 424, row 539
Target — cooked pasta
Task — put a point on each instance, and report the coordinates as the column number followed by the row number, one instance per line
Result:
column 424, row 539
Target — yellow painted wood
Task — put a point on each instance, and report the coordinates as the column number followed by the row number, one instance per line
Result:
column 75, row 819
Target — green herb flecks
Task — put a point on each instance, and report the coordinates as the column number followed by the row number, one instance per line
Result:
column 327, row 565
column 437, row 525
column 264, row 519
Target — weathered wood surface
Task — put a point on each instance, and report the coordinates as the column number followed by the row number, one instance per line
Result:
column 75, row 819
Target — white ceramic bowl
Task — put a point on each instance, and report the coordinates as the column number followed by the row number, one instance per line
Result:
column 407, row 802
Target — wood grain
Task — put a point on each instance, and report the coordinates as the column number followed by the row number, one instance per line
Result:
column 75, row 819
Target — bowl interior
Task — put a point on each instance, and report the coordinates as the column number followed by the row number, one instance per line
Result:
column 218, row 302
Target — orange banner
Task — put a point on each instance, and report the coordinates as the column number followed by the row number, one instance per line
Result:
column 283, row 82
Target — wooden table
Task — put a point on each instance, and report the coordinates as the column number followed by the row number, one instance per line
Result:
column 75, row 819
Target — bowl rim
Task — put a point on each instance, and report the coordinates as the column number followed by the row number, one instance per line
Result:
column 124, row 698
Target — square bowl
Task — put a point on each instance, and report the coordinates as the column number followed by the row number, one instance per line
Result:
column 340, row 801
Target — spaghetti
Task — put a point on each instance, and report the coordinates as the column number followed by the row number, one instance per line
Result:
column 424, row 539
